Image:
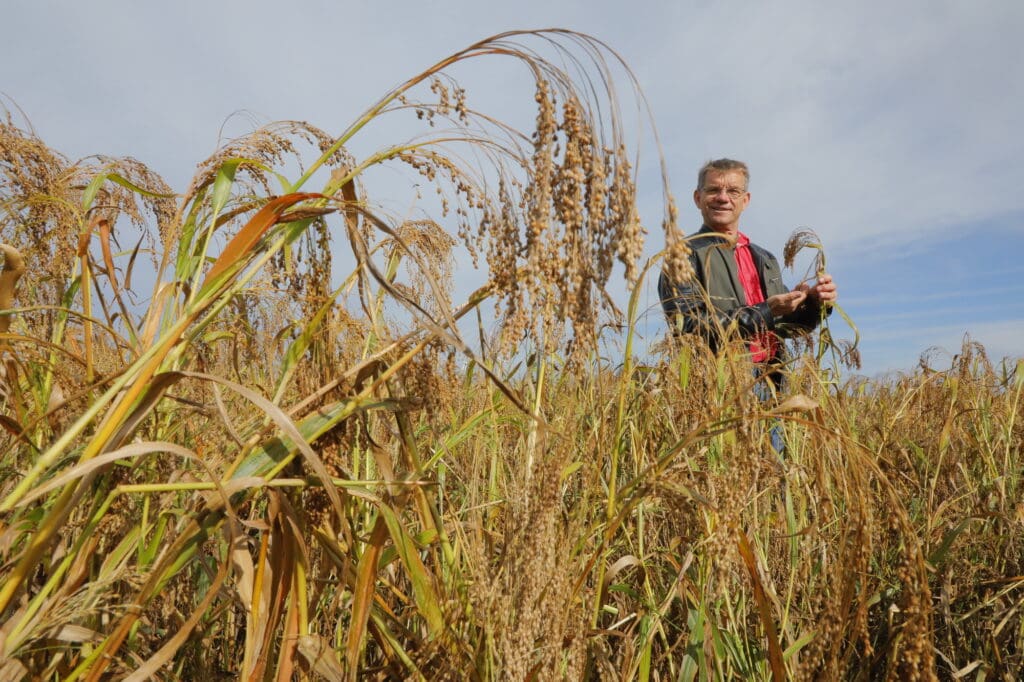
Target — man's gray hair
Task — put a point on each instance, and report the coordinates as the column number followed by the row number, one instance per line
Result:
column 723, row 165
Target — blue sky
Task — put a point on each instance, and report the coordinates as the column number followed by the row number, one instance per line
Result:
column 891, row 129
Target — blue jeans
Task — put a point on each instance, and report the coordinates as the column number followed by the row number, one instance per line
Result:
column 763, row 389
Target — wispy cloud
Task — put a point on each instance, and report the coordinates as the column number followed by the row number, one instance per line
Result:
column 918, row 298
column 1000, row 339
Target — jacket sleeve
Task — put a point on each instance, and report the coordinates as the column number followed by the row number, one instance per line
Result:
column 689, row 311
column 805, row 318
column 803, row 321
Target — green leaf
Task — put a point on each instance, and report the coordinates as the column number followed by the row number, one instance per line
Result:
column 939, row 555
column 422, row 582
column 264, row 458
column 89, row 195
column 222, row 185
column 128, row 184
column 114, row 559
column 645, row 651
column 570, row 470
column 797, row 645
column 93, row 188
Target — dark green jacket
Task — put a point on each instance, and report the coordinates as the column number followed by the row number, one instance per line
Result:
column 715, row 302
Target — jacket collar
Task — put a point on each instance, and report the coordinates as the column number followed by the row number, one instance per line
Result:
column 723, row 249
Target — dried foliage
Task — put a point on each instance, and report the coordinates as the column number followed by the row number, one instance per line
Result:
column 844, row 352
column 274, row 470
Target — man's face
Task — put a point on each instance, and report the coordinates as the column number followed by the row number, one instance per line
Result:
column 722, row 199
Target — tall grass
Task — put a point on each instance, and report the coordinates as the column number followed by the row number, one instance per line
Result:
column 270, row 469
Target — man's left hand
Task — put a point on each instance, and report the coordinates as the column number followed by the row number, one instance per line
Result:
column 824, row 290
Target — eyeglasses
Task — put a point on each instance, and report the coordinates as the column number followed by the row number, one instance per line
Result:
column 713, row 191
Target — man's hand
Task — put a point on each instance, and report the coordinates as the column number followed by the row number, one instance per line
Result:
column 824, row 291
column 784, row 304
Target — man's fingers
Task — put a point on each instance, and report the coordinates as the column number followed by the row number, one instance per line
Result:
column 784, row 304
column 824, row 289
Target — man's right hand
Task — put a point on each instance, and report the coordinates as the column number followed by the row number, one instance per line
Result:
column 781, row 305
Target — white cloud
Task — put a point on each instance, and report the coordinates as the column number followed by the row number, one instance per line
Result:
column 856, row 121
column 904, row 346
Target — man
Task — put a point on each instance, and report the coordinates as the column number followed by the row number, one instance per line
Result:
column 737, row 285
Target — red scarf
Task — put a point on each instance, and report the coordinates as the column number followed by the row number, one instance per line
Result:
column 763, row 346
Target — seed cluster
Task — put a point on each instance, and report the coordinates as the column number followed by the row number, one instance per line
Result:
column 43, row 191
column 552, row 217
column 579, row 206
column 529, row 588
